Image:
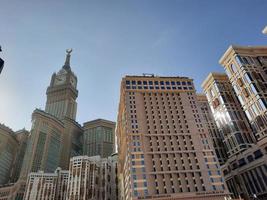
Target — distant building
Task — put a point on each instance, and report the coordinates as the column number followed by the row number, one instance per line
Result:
column 164, row 148
column 22, row 139
column 96, row 178
column 8, row 150
column 215, row 135
column 48, row 186
column 99, row 138
column 12, row 191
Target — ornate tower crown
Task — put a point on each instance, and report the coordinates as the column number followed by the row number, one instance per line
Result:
column 66, row 66
column 62, row 92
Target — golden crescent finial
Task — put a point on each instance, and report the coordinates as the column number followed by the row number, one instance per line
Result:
column 68, row 51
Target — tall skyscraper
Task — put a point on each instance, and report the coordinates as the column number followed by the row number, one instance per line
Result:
column 99, row 138
column 215, row 135
column 55, row 135
column 164, row 147
column 246, row 68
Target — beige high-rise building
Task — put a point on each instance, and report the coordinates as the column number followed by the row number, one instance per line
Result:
column 215, row 134
column 99, row 138
column 164, row 147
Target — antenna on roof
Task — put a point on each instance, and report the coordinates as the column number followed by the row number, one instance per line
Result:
column 149, row 75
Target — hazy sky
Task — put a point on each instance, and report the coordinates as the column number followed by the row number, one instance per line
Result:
column 111, row 39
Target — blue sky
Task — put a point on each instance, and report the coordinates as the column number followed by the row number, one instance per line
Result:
column 111, row 39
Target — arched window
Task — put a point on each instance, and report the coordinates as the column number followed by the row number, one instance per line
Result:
column 233, row 68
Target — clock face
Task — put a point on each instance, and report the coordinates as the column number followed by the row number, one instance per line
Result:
column 73, row 82
column 60, row 80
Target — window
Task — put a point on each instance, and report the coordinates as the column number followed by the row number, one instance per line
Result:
column 238, row 60
column 233, row 68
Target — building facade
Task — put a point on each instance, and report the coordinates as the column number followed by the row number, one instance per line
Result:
column 215, row 135
column 45, row 143
column 8, row 150
column 228, row 114
column 164, row 148
column 22, row 139
column 93, row 178
column 99, row 138
column 48, row 186
column 246, row 68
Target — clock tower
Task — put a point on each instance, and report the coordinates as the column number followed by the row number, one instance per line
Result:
column 62, row 92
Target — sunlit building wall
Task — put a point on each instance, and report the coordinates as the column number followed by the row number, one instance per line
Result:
column 215, row 135
column 164, row 148
column 245, row 169
column 246, row 68
column 228, row 113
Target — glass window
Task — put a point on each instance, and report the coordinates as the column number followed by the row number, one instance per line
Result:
column 228, row 72
column 139, row 82
column 263, row 104
column 248, row 77
column 167, row 83
column 238, row 60
column 233, row 68
column 127, row 82
column 133, row 82
column 145, row 82
column 254, row 88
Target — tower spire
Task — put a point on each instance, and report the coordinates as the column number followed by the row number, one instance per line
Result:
column 67, row 61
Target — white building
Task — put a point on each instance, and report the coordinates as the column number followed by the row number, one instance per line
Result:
column 93, row 178
column 47, row 186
